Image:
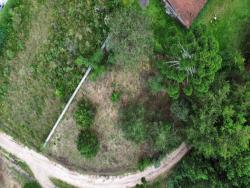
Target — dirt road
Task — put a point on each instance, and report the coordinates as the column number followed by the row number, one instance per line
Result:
column 44, row 169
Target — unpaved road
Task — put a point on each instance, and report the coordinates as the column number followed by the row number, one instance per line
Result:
column 44, row 169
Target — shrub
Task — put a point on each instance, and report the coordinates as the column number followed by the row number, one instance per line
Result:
column 144, row 163
column 85, row 114
column 87, row 143
column 133, row 123
column 180, row 109
column 155, row 84
column 115, row 97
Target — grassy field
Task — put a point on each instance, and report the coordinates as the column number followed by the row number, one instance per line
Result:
column 42, row 75
column 30, row 107
column 233, row 19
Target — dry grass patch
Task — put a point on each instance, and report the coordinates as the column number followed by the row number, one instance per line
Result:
column 117, row 155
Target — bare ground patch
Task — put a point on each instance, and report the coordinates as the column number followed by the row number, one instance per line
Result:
column 117, row 155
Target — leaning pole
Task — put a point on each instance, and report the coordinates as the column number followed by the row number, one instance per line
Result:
column 67, row 106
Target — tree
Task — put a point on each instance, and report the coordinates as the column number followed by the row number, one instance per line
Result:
column 193, row 60
column 219, row 125
column 130, row 36
column 195, row 170
column 87, row 143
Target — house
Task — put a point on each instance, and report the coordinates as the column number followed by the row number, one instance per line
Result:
column 184, row 10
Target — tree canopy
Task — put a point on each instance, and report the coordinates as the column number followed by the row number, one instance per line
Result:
column 192, row 61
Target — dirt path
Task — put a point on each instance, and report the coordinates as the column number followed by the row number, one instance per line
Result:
column 44, row 169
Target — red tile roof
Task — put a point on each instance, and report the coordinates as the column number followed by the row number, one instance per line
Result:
column 187, row 10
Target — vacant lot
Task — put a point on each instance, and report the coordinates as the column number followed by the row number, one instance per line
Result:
column 117, row 155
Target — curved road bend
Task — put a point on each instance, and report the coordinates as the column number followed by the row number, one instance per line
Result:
column 44, row 169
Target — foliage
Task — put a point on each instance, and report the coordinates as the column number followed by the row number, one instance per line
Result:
column 84, row 114
column 32, row 184
column 197, row 171
column 87, row 143
column 193, row 61
column 129, row 39
column 219, row 121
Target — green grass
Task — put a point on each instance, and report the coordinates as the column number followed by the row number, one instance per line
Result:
column 14, row 29
column 61, row 184
column 233, row 18
column 29, row 108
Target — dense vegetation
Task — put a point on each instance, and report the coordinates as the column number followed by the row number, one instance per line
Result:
column 217, row 122
column 210, row 90
column 192, row 61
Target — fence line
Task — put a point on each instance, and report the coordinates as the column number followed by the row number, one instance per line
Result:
column 67, row 106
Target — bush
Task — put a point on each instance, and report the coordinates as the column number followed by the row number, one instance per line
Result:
column 85, row 114
column 180, row 109
column 115, row 97
column 133, row 123
column 87, row 143
column 155, row 84
column 144, row 163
